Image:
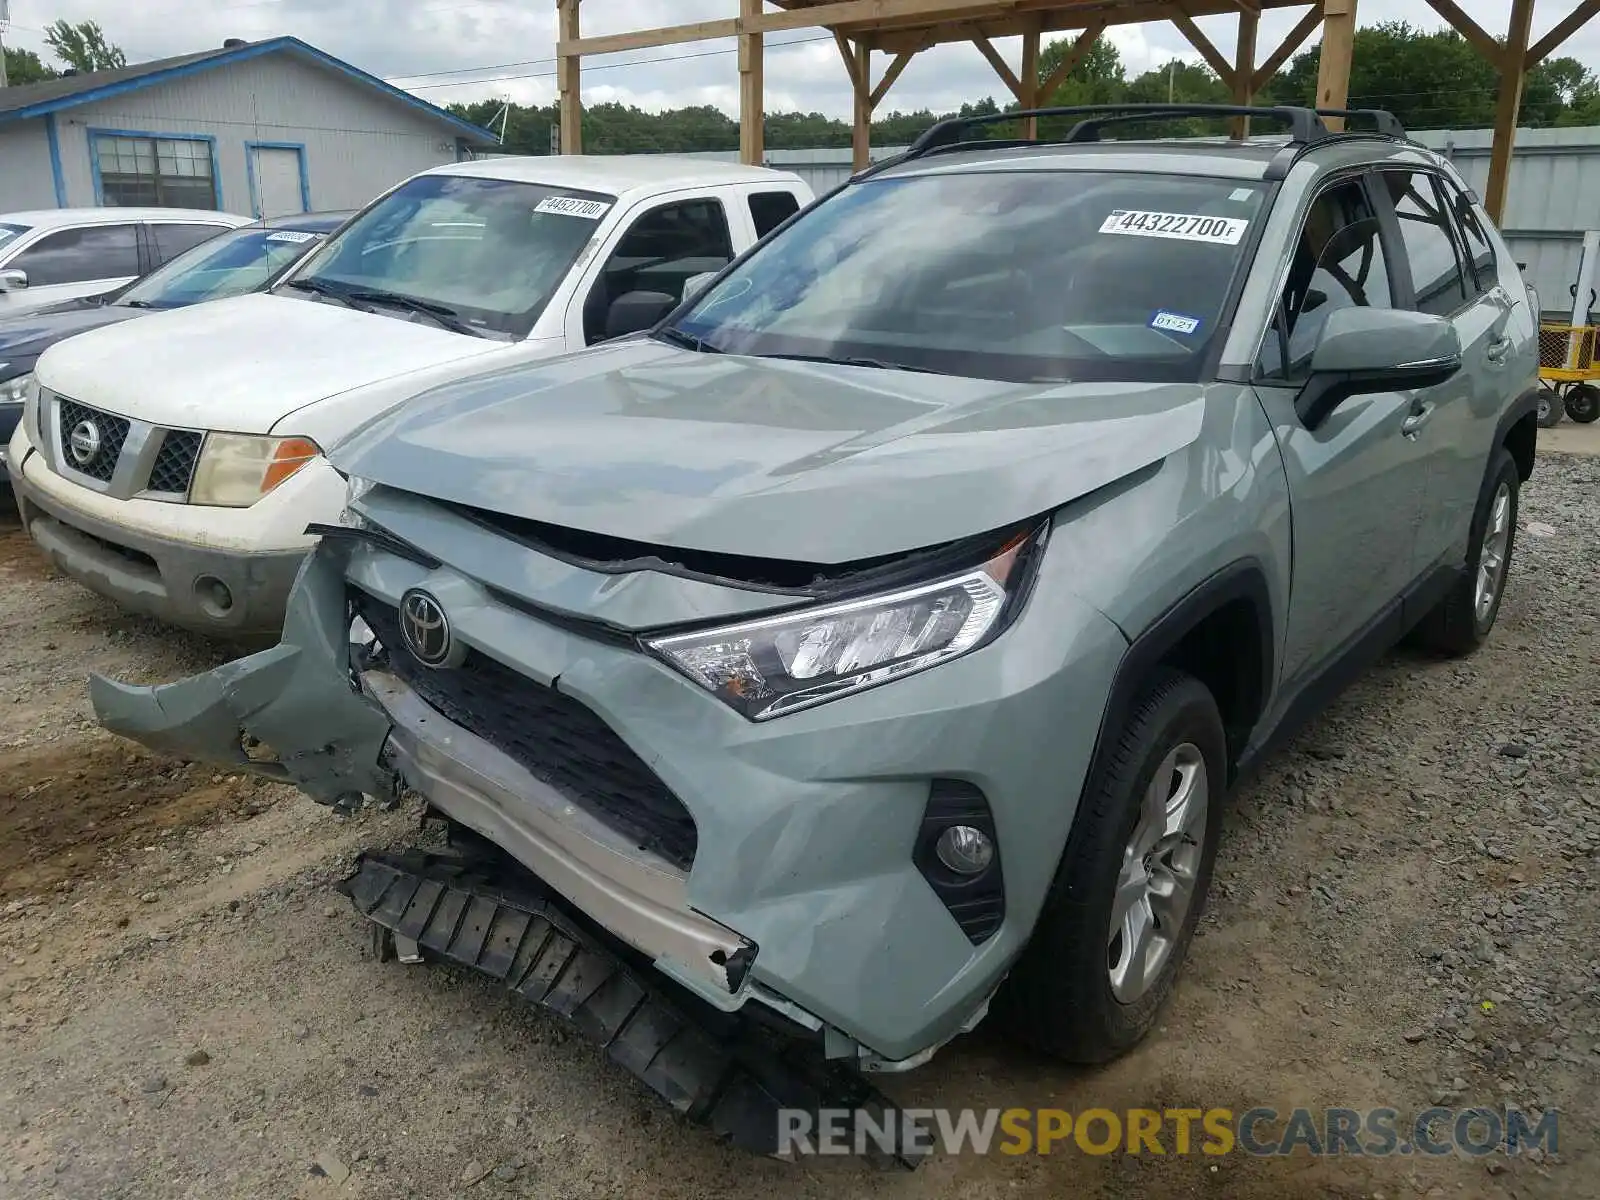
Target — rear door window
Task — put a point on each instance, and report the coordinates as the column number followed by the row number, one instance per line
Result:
column 172, row 240
column 1483, row 267
column 770, row 209
column 80, row 255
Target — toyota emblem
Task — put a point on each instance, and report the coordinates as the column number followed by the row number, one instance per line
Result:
column 84, row 442
column 425, row 630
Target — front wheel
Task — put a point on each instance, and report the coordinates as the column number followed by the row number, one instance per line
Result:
column 1460, row 622
column 1131, row 884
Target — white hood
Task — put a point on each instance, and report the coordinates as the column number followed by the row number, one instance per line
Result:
column 243, row 364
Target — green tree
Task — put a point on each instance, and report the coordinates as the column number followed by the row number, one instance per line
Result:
column 1098, row 78
column 24, row 66
column 83, row 46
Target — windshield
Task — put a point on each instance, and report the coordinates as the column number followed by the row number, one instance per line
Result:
column 230, row 264
column 9, row 233
column 488, row 251
column 1011, row 275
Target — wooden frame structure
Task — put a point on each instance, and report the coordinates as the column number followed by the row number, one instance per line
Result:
column 902, row 29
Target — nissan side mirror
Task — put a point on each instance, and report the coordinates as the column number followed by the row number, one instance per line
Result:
column 632, row 312
column 13, row 280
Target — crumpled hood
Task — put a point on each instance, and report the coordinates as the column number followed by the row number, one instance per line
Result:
column 807, row 462
column 242, row 364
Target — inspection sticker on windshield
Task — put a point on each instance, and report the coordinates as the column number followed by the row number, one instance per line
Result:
column 1173, row 322
column 573, row 206
column 290, row 235
column 1187, row 227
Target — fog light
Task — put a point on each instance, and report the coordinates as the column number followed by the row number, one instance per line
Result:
column 965, row 850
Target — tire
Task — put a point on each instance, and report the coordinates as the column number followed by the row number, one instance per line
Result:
column 1550, row 410
column 1459, row 623
column 1583, row 403
column 1062, row 997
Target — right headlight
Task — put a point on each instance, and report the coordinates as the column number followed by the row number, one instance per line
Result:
column 17, row 389
column 237, row 469
column 776, row 665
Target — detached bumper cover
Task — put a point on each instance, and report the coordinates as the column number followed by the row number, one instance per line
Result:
column 716, row 1070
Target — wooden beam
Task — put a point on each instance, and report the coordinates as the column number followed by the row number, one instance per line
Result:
column 844, row 12
column 1333, row 69
column 1028, row 97
column 861, row 131
column 1081, row 47
column 1469, row 29
column 901, row 61
column 986, row 48
column 1244, row 68
column 1202, row 43
column 568, row 80
column 643, row 39
column 752, row 85
column 1286, row 48
column 1047, row 16
column 1569, row 25
column 1513, row 68
column 848, row 53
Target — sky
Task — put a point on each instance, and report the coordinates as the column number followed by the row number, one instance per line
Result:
column 448, row 50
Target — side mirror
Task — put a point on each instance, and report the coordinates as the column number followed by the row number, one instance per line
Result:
column 634, row 311
column 696, row 284
column 13, row 280
column 1365, row 350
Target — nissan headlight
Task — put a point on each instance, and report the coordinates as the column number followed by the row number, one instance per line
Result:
column 17, row 389
column 775, row 665
column 237, row 469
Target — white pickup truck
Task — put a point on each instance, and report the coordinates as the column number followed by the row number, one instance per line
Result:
column 174, row 463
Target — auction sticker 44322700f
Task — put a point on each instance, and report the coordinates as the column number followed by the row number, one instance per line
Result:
column 1187, row 227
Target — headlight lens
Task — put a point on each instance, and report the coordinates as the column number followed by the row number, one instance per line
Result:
column 781, row 664
column 16, row 390
column 237, row 469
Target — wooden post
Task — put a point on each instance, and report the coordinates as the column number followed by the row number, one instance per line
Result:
column 1244, row 67
column 752, row 109
column 861, row 136
column 1513, row 69
column 567, row 79
column 1333, row 71
column 1028, row 95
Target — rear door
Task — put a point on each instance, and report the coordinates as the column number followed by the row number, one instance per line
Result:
column 1356, row 481
column 1452, row 273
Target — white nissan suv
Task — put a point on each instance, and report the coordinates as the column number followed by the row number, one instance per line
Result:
column 175, row 463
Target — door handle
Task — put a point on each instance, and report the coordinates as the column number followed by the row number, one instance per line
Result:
column 1419, row 416
column 1498, row 349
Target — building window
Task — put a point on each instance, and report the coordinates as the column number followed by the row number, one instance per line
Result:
column 163, row 172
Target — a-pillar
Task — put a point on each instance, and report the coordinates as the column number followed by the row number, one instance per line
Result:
column 1513, row 70
column 752, row 108
column 1333, row 69
column 567, row 79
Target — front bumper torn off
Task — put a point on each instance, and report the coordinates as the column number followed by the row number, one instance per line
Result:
column 718, row 1070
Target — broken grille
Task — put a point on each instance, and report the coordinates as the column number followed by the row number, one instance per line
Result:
column 558, row 739
column 174, row 466
column 109, row 433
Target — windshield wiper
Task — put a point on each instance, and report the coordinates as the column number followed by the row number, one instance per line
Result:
column 687, row 340
column 135, row 304
column 876, row 364
column 440, row 314
column 317, row 287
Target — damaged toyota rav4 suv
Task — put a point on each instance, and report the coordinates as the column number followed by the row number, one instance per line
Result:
column 867, row 650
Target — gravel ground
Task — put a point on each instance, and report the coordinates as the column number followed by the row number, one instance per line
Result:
column 1404, row 914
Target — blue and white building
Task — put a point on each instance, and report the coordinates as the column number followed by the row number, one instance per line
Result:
column 256, row 128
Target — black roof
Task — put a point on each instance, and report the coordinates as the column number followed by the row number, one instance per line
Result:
column 28, row 94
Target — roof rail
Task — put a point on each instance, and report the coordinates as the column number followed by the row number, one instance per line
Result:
column 1386, row 122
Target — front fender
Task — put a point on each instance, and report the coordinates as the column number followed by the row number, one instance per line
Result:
column 296, row 699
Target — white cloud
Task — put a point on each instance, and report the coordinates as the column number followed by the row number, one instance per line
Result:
column 418, row 39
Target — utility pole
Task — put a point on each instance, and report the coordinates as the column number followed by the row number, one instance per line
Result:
column 1172, row 87
column 5, row 16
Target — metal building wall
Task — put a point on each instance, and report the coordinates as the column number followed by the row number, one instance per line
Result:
column 356, row 141
column 25, row 180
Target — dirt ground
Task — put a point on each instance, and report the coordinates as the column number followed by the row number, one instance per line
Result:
column 1403, row 915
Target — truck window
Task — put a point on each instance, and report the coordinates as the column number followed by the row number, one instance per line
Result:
column 1338, row 263
column 770, row 209
column 661, row 250
column 1430, row 246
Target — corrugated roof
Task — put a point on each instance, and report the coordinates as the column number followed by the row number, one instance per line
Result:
column 37, row 99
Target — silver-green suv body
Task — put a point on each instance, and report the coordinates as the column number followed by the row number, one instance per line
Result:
column 872, row 643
